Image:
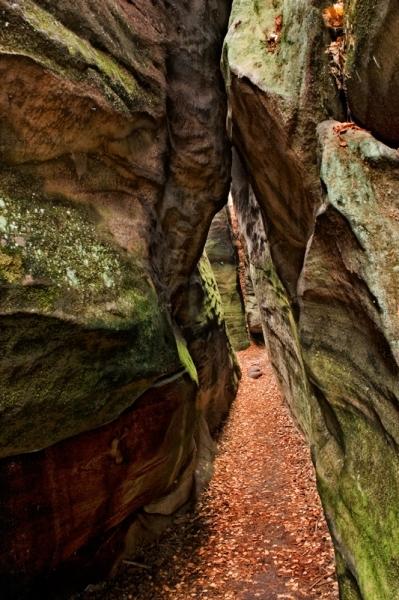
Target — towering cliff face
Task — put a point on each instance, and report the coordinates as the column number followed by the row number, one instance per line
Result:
column 323, row 232
column 113, row 161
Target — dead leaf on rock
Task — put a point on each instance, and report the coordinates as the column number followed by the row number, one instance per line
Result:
column 334, row 15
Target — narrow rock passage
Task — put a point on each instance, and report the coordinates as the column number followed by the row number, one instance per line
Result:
column 258, row 531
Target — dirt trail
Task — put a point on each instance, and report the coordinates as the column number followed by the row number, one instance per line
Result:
column 258, row 532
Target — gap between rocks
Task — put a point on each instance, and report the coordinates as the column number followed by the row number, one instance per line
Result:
column 258, row 531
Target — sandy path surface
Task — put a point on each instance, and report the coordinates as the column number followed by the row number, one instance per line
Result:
column 258, row 531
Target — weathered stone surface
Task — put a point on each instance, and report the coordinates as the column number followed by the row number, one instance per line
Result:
column 113, row 161
column 223, row 257
column 349, row 331
column 202, row 322
column 276, row 309
column 251, row 307
column 324, row 261
column 372, row 65
column 277, row 98
column 84, row 157
column 252, row 311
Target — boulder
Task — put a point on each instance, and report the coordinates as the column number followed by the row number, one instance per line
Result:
column 66, row 508
column 277, row 96
column 254, row 372
column 349, row 334
column 322, row 230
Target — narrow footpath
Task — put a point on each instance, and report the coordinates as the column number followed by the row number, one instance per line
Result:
column 258, row 531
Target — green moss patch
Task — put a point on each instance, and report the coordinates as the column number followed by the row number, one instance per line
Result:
column 34, row 33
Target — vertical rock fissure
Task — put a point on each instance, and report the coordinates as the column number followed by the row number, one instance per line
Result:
column 117, row 364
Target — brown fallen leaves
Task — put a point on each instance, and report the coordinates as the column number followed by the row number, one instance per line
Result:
column 258, row 530
column 333, row 17
column 336, row 55
column 342, row 128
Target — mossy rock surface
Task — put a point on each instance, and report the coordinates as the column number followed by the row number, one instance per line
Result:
column 111, row 169
column 34, row 33
column 84, row 162
column 83, row 332
column 348, row 331
column 278, row 92
column 202, row 322
column 372, row 63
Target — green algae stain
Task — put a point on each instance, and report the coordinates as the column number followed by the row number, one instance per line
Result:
column 85, row 318
column 213, row 306
column 365, row 511
column 57, row 244
column 246, row 50
column 185, row 357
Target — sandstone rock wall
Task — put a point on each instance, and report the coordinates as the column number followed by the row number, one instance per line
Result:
column 324, row 236
column 224, row 260
column 251, row 307
column 113, row 161
column 115, row 362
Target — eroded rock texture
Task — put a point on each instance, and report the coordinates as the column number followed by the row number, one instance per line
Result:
column 223, row 256
column 251, row 307
column 322, row 229
column 113, row 161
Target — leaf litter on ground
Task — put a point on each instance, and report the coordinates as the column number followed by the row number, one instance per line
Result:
column 258, row 530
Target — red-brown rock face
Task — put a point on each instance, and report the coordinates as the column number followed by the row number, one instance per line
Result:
column 53, row 500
